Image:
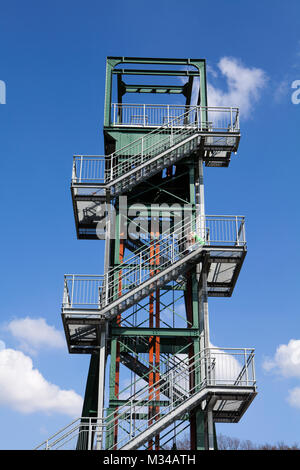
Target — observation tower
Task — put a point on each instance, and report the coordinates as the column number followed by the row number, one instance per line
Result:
column 154, row 375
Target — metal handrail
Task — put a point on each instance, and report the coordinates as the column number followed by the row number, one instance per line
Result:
column 190, row 374
column 85, row 290
column 152, row 115
column 143, row 148
column 199, row 365
column 146, row 147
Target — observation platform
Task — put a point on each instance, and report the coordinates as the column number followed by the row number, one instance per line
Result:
column 169, row 135
column 219, row 380
column 91, row 300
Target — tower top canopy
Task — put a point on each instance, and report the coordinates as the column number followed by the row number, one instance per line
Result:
column 169, row 76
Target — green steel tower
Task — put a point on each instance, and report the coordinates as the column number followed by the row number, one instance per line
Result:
column 154, row 375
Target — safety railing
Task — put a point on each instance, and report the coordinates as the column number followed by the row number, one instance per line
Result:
column 167, row 362
column 163, row 252
column 81, row 434
column 82, row 291
column 101, row 169
column 88, row 168
column 98, row 291
column 225, row 230
column 150, row 115
column 169, row 248
column 169, row 134
column 212, row 367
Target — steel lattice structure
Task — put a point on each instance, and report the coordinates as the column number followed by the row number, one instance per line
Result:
column 153, row 372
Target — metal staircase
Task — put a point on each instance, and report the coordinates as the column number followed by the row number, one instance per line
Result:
column 142, row 368
column 151, row 267
column 129, row 166
column 198, row 378
column 192, row 382
column 168, row 257
column 156, row 263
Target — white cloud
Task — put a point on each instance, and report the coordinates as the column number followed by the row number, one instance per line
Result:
column 35, row 333
column 286, row 360
column 24, row 388
column 294, row 397
column 211, row 70
column 244, row 86
column 281, row 91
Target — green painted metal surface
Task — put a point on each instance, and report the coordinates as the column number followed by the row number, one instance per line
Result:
column 180, row 188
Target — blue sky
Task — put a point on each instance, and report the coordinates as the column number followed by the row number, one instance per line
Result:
column 53, row 64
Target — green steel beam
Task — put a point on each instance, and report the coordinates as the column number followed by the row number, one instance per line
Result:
column 200, row 430
column 152, row 89
column 91, row 391
column 167, row 346
column 169, row 73
column 115, row 403
column 155, row 60
column 90, row 402
column 163, row 332
column 113, row 62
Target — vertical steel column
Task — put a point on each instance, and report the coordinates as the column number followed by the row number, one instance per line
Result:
column 151, row 340
column 157, row 341
column 118, row 322
column 202, row 295
column 197, row 435
column 154, row 341
column 112, row 375
column 112, row 434
column 101, row 385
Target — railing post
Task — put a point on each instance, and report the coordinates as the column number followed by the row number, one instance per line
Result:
column 237, row 231
column 111, row 168
column 140, row 268
column 90, row 435
column 144, row 106
column 106, row 288
column 172, row 249
column 80, row 171
column 66, row 299
column 130, row 428
column 73, row 283
column 237, row 120
column 244, row 233
column 142, row 149
column 253, row 368
column 74, row 169
column 208, row 365
column 172, row 389
column 246, row 367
